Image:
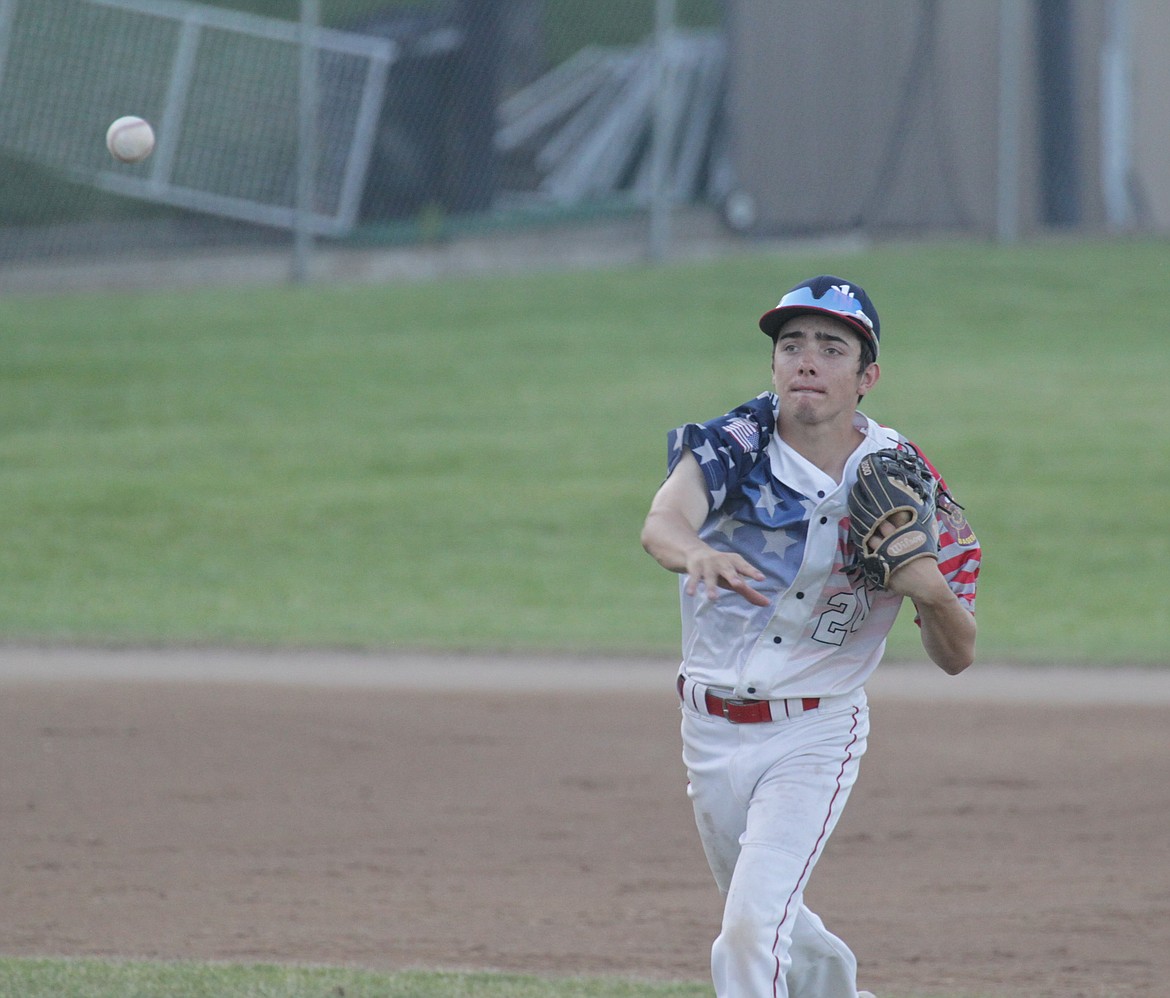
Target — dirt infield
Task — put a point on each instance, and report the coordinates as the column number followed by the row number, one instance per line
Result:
column 390, row 813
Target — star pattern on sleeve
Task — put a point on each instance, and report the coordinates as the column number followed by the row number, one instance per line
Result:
column 705, row 453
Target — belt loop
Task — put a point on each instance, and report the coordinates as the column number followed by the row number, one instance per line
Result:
column 690, row 693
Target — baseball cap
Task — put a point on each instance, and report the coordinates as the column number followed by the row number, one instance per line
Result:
column 827, row 295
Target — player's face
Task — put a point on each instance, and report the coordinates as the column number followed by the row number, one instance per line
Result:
column 815, row 369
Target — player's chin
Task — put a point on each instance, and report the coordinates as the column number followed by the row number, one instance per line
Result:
column 805, row 407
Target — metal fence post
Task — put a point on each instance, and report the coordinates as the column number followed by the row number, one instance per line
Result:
column 661, row 139
column 1012, row 23
column 306, row 141
column 1116, row 116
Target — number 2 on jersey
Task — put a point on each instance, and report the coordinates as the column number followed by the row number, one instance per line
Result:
column 845, row 614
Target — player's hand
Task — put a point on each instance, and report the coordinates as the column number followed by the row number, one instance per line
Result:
column 723, row 570
column 918, row 579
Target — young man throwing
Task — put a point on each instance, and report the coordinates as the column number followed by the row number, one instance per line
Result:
column 780, row 633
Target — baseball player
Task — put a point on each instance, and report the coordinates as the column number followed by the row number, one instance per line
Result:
column 780, row 629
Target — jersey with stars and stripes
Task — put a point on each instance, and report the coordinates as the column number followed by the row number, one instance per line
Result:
column 823, row 632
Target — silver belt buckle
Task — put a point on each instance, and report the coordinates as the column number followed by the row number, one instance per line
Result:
column 728, row 703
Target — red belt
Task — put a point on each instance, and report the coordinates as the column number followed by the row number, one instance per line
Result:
column 739, row 711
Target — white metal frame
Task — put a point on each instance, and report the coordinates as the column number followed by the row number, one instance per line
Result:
column 156, row 181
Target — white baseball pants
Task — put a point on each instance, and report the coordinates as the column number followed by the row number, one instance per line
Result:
column 767, row 797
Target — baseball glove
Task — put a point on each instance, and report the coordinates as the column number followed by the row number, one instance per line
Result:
column 895, row 486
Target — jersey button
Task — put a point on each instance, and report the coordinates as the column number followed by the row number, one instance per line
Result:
column 800, row 595
column 777, row 639
column 824, row 519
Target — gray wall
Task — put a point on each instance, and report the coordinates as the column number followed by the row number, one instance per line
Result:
column 884, row 116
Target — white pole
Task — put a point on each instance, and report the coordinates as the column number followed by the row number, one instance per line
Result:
column 1116, row 120
column 660, row 139
column 1012, row 25
column 306, row 141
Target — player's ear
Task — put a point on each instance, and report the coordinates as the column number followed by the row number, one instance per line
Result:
column 869, row 378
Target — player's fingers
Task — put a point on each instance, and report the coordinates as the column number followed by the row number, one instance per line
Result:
column 887, row 527
column 897, row 519
column 715, row 582
column 750, row 570
column 726, row 572
column 716, row 578
column 708, row 578
column 739, row 585
column 753, row 596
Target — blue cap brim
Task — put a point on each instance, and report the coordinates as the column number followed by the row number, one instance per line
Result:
column 772, row 320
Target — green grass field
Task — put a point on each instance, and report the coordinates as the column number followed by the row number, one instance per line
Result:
column 465, row 465
column 111, row 979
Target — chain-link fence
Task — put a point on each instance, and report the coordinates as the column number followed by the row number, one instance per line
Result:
column 349, row 121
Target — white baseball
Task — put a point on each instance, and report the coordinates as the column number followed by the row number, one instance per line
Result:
column 130, row 139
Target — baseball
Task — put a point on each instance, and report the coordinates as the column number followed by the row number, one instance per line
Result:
column 130, row 139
